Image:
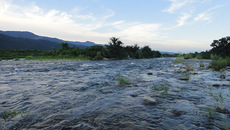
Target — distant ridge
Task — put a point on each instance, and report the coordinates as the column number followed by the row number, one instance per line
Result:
column 8, row 42
column 165, row 52
column 34, row 40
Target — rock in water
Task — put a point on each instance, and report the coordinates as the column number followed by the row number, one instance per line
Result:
column 149, row 73
column 182, row 70
column 149, row 100
column 183, row 78
column 226, row 85
column 193, row 73
column 216, row 85
column 177, row 112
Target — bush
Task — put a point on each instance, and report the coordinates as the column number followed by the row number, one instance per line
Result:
column 202, row 65
column 179, row 59
column 199, row 56
column 29, row 58
column 228, row 59
column 215, row 57
column 82, row 57
column 218, row 62
column 16, row 59
column 98, row 56
column 188, row 56
column 122, row 80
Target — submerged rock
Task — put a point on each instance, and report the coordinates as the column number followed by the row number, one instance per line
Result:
column 149, row 73
column 183, row 78
column 216, row 85
column 226, row 85
column 193, row 72
column 133, row 95
column 182, row 70
column 149, row 101
column 222, row 76
column 177, row 112
column 172, row 65
column 82, row 127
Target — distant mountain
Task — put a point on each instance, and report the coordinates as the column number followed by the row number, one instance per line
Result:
column 170, row 53
column 8, row 42
column 29, row 35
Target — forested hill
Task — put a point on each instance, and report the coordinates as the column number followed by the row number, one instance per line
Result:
column 36, row 42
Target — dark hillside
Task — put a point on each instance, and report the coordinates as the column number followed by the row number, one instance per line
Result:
column 7, row 42
column 30, row 35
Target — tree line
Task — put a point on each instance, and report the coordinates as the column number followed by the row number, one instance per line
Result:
column 220, row 48
column 113, row 50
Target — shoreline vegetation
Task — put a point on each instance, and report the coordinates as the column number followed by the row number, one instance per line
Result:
column 114, row 50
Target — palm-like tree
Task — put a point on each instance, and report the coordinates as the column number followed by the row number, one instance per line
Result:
column 115, row 49
column 115, row 42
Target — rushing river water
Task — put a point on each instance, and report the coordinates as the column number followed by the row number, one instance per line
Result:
column 86, row 95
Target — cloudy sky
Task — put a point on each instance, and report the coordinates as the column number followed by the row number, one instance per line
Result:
column 164, row 25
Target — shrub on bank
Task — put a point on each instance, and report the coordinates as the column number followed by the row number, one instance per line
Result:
column 179, row 59
column 218, row 62
column 199, row 56
column 188, row 56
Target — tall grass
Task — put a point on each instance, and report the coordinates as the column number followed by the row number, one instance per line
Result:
column 7, row 114
column 179, row 59
column 122, row 80
column 161, row 89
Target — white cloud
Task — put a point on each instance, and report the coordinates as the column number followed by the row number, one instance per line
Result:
column 177, row 4
column 51, row 23
column 68, row 26
column 140, row 32
column 203, row 17
column 110, row 14
column 189, row 11
column 206, row 15
column 182, row 20
column 81, row 25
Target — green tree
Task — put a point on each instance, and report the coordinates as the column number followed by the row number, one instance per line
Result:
column 64, row 46
column 147, row 52
column 133, row 51
column 115, row 49
column 75, row 51
column 221, row 47
column 93, row 52
column 156, row 54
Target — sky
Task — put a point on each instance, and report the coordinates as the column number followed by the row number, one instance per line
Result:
column 164, row 25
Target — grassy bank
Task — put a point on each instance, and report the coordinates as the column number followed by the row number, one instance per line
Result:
column 16, row 54
column 80, row 57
